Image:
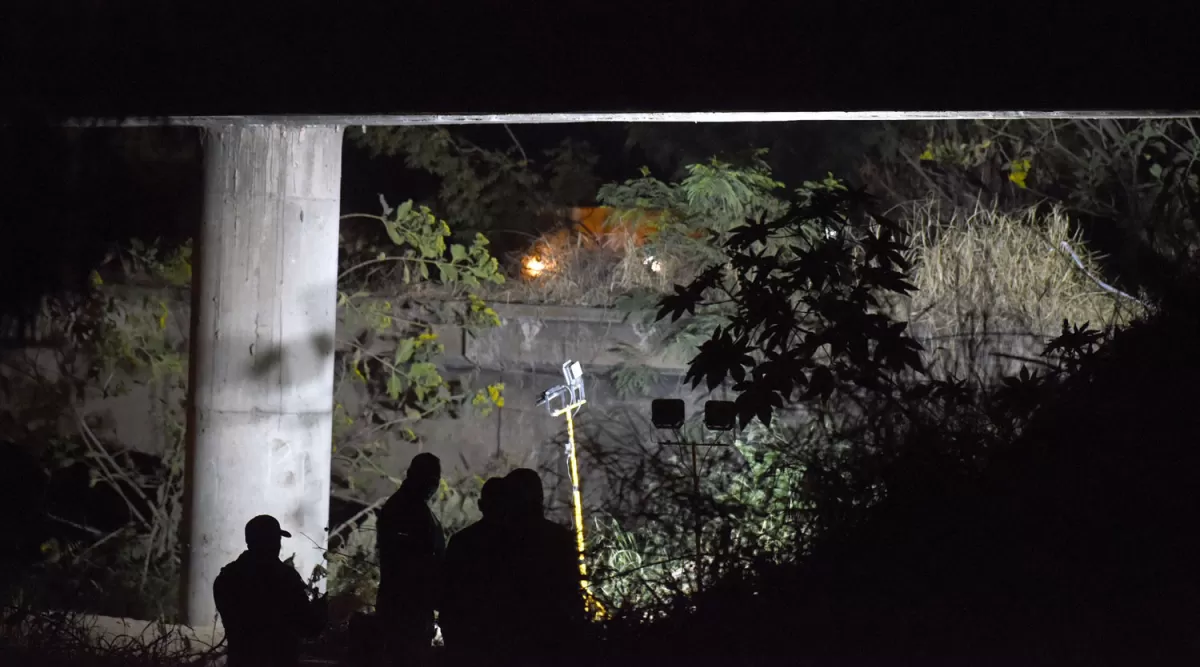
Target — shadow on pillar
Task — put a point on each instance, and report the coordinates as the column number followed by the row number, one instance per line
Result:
column 265, row 362
column 312, row 351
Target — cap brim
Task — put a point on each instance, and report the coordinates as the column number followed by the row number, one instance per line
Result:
column 284, row 533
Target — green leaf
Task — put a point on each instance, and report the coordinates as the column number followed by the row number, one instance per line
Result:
column 404, row 351
column 412, row 413
column 1156, row 171
column 458, row 252
column 424, row 373
column 394, row 386
column 393, row 233
column 449, row 273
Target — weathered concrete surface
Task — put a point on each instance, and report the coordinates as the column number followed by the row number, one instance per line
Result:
column 264, row 321
column 543, row 337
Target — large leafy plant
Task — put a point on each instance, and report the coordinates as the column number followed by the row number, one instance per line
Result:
column 802, row 300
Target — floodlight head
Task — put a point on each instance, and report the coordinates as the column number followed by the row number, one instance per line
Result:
column 667, row 413
column 572, row 372
column 720, row 415
column 551, row 394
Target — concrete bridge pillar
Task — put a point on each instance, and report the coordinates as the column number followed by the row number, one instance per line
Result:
column 263, row 320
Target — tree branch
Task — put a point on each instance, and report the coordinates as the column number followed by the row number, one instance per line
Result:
column 1100, row 283
column 514, row 138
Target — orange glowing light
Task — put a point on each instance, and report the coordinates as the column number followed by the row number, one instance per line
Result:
column 534, row 266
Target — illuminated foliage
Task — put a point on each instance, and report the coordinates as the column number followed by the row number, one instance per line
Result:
column 1132, row 185
column 105, row 346
column 394, row 349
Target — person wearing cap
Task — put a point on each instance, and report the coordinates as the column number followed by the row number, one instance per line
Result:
column 263, row 602
column 411, row 546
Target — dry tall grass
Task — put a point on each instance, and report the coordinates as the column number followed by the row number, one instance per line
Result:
column 993, row 287
column 592, row 271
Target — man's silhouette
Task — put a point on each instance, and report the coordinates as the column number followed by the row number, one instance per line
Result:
column 411, row 548
column 264, row 603
column 545, row 613
column 475, row 588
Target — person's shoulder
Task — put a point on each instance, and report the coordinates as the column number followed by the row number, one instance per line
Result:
column 466, row 534
column 232, row 569
column 389, row 506
column 553, row 531
column 554, row 527
column 472, row 536
column 286, row 573
column 232, row 577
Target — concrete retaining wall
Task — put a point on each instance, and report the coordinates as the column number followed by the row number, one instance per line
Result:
column 525, row 353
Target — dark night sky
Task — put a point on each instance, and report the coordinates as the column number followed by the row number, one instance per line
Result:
column 245, row 57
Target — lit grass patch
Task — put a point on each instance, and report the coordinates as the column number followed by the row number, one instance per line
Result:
column 992, row 287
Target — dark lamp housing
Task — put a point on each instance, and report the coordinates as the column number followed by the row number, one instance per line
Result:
column 667, row 412
column 720, row 415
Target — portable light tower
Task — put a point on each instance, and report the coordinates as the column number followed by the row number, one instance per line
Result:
column 719, row 416
column 571, row 396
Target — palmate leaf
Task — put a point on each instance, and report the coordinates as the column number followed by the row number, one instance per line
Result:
column 748, row 234
column 686, row 299
column 717, row 359
column 675, row 305
column 884, row 251
column 757, row 401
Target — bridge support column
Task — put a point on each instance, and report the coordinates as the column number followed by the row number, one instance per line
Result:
column 263, row 319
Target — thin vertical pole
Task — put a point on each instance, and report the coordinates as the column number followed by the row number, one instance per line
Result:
column 696, row 528
column 590, row 605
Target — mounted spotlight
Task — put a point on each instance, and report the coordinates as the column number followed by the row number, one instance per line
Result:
column 667, row 413
column 720, row 415
column 572, row 393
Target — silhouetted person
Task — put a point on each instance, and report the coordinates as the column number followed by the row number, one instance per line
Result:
column 545, row 612
column 476, row 587
column 22, row 512
column 264, row 602
column 411, row 548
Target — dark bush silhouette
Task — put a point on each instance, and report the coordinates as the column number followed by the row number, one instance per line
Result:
column 1046, row 520
column 1074, row 544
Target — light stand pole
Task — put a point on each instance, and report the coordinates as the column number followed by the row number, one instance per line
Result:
column 720, row 416
column 571, row 396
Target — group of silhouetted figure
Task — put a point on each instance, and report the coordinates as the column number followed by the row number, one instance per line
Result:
column 505, row 589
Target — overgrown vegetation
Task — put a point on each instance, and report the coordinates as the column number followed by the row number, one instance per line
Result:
column 964, row 431
column 907, row 486
column 388, row 345
column 128, row 343
column 984, row 276
column 1131, row 185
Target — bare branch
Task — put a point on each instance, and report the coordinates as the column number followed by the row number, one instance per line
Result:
column 514, row 138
